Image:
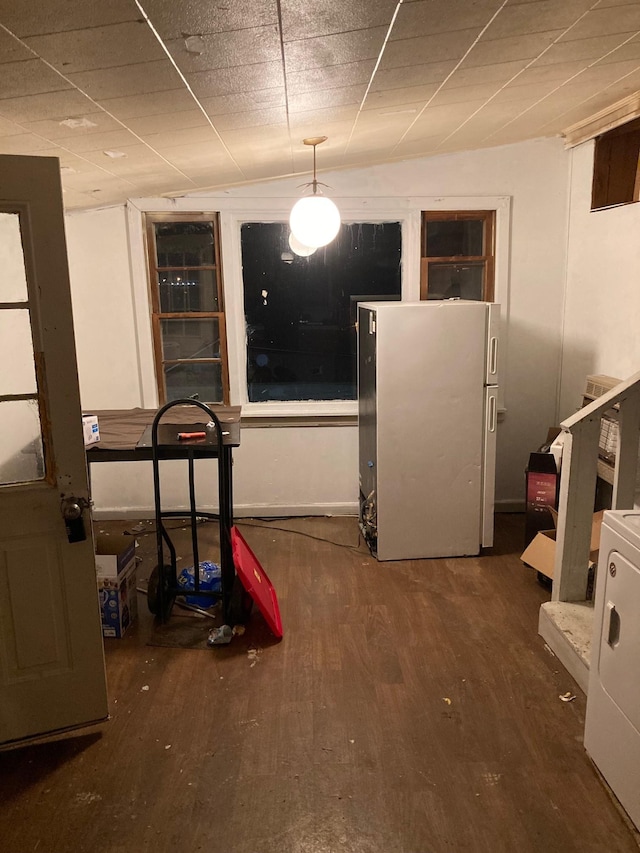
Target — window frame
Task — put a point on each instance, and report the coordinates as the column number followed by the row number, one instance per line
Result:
column 488, row 217
column 157, row 315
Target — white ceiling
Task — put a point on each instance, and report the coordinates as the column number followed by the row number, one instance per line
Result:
column 196, row 94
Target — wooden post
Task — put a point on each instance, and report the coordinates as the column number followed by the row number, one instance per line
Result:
column 575, row 511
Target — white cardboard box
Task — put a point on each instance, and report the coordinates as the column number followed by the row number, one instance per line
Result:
column 118, row 601
column 90, row 429
column 113, row 555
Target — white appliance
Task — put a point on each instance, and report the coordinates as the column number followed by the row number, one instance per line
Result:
column 612, row 729
column 427, row 404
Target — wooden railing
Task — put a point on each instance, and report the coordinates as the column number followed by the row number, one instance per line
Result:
column 578, row 482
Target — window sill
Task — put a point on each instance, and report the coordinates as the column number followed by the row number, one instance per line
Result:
column 300, row 414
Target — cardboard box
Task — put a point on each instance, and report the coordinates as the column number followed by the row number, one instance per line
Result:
column 118, row 602
column 114, row 555
column 90, row 429
column 540, row 554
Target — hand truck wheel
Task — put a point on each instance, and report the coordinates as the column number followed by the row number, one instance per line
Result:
column 153, row 593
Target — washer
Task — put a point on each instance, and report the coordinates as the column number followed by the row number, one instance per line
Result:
column 612, row 731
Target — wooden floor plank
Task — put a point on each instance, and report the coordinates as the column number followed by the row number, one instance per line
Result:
column 410, row 708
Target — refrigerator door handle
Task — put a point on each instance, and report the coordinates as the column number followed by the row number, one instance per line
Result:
column 493, row 356
column 493, row 413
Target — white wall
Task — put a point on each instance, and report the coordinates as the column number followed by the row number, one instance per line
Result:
column 315, row 469
column 602, row 314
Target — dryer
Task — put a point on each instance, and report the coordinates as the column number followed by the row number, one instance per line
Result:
column 612, row 730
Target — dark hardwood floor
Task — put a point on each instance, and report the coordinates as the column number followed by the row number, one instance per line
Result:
column 410, row 708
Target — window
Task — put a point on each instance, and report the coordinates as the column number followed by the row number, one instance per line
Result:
column 616, row 178
column 301, row 312
column 457, row 255
column 189, row 333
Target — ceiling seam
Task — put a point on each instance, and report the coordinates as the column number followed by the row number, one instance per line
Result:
column 451, row 73
column 189, row 89
column 373, row 73
column 284, row 78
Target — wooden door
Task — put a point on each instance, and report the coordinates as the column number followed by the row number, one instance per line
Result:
column 51, row 656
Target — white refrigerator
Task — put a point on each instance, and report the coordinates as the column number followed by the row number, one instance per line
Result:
column 427, row 412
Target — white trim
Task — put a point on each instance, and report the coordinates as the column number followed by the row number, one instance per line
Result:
column 612, row 116
column 233, row 211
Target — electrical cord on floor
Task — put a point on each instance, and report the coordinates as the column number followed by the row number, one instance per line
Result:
column 358, row 547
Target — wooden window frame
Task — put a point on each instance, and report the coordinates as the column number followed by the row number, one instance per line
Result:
column 488, row 258
column 157, row 315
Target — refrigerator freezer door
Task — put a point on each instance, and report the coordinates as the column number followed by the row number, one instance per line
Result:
column 489, row 464
column 493, row 330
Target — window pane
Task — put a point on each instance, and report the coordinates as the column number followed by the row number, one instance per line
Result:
column 190, row 339
column 188, row 290
column 184, row 244
column 187, row 380
column 21, row 454
column 16, row 350
column 451, row 281
column 13, row 282
column 301, row 312
column 449, row 238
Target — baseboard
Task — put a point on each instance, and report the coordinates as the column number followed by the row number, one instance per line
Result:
column 239, row 511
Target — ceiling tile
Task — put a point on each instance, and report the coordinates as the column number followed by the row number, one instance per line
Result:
column 98, row 47
column 100, row 122
column 23, row 143
column 443, row 119
column 139, row 79
column 558, row 72
column 501, row 72
column 321, row 118
column 326, row 98
column 430, row 17
column 307, row 20
column 156, row 103
column 33, row 17
column 145, row 125
column 10, row 128
column 400, row 98
column 115, row 139
column 241, row 102
column 228, row 81
column 173, row 136
column 527, row 18
column 587, row 49
column 629, row 50
column 412, row 75
column 600, row 22
column 489, row 52
column 255, row 118
column 29, row 77
column 330, row 78
column 225, row 50
column 12, row 50
column 140, row 161
column 462, row 94
column 60, row 105
column 427, row 49
column 192, row 17
column 338, row 49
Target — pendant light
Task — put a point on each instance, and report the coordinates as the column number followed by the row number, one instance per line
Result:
column 314, row 219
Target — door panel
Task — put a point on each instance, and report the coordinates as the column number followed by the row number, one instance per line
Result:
column 51, row 658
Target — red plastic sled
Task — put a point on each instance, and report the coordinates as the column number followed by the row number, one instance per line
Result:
column 255, row 581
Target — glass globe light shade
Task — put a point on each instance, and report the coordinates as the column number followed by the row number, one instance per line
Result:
column 314, row 220
column 298, row 249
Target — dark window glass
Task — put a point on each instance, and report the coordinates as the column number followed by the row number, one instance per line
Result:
column 184, row 244
column 190, row 339
column 203, row 379
column 301, row 312
column 188, row 290
column 456, row 281
column 452, row 238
